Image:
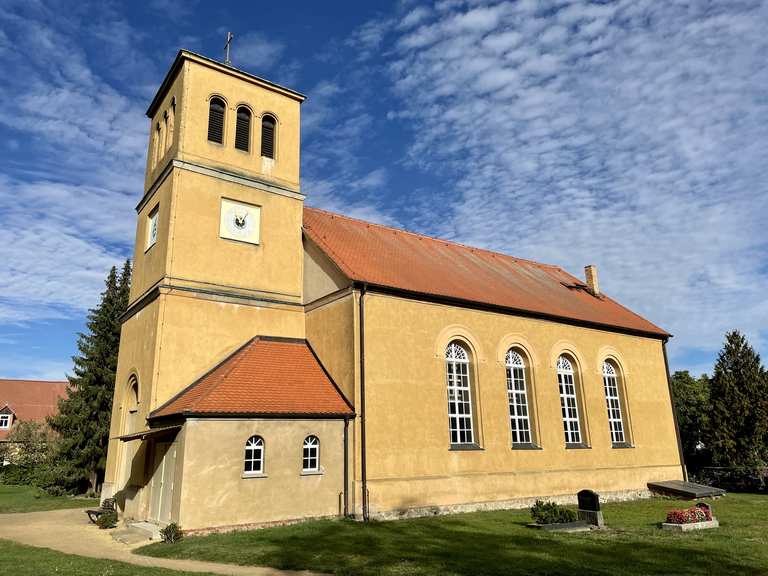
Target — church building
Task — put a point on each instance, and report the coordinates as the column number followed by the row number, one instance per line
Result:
column 280, row 362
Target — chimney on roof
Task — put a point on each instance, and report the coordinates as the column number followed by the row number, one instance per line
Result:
column 590, row 271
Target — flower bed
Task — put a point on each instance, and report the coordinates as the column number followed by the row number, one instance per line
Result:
column 689, row 515
column 694, row 518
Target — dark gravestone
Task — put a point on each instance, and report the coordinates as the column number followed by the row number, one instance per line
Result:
column 589, row 507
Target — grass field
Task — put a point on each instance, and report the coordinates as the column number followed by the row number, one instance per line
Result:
column 23, row 560
column 30, row 499
column 498, row 543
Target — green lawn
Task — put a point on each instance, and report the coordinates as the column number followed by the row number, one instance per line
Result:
column 23, row 560
column 496, row 543
column 30, row 499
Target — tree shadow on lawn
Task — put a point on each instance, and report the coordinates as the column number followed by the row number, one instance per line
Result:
column 463, row 548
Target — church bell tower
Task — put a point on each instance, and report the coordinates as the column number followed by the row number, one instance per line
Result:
column 218, row 254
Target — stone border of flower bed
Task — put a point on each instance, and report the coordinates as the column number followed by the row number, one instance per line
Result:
column 691, row 525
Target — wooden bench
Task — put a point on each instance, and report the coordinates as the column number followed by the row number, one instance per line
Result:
column 107, row 506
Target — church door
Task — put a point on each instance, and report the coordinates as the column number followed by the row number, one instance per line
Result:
column 161, row 496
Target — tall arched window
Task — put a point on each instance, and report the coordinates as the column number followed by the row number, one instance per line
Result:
column 171, row 121
column 268, row 130
column 569, row 404
column 254, row 455
column 517, row 396
column 243, row 129
column 459, row 394
column 164, row 139
column 310, row 459
column 156, row 146
column 613, row 403
column 216, row 120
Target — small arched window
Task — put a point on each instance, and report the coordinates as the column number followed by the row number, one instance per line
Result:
column 613, row 403
column 171, row 121
column 164, row 141
column 243, row 129
column 459, row 395
column 310, row 460
column 254, row 455
column 216, row 120
column 517, row 395
column 156, row 146
column 569, row 404
column 268, row 130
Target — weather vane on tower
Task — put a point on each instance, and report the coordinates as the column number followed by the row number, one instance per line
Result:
column 227, row 59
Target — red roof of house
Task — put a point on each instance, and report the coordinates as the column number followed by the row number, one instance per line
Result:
column 268, row 377
column 31, row 400
column 387, row 257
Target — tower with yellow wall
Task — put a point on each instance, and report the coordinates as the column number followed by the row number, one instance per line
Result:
column 218, row 254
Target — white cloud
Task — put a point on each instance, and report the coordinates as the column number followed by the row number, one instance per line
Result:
column 255, row 52
column 631, row 135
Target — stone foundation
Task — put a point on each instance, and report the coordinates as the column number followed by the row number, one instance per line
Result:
column 516, row 503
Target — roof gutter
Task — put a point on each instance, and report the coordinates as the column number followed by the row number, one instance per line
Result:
column 674, row 411
column 364, row 471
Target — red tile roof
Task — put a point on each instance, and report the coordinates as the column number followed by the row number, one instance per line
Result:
column 31, row 400
column 265, row 377
column 387, row 257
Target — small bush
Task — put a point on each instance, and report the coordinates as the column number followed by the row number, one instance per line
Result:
column 56, row 491
column 171, row 533
column 551, row 513
column 745, row 479
column 107, row 520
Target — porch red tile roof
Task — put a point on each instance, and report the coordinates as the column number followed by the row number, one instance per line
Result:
column 265, row 377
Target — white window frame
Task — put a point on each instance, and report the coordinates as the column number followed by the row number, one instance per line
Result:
column 613, row 404
column 517, row 397
column 254, row 456
column 310, row 454
column 569, row 403
column 152, row 227
column 5, row 421
column 460, row 418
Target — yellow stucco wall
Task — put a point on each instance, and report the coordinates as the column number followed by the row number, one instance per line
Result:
column 215, row 493
column 409, row 460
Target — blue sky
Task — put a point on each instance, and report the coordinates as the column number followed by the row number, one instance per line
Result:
column 632, row 135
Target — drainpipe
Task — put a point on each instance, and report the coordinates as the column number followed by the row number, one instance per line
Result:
column 364, row 472
column 674, row 411
column 346, row 467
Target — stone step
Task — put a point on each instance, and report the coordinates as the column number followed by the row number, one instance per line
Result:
column 129, row 536
column 135, row 532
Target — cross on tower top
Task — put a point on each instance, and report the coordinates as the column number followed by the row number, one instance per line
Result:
column 227, row 59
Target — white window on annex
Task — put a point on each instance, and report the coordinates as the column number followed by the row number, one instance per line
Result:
column 152, row 227
column 517, row 395
column 5, row 421
column 569, row 405
column 459, row 395
column 310, row 459
column 254, row 456
column 613, row 403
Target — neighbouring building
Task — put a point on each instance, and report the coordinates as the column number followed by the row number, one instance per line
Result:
column 28, row 401
column 280, row 362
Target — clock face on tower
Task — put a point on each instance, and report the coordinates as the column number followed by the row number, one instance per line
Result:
column 239, row 221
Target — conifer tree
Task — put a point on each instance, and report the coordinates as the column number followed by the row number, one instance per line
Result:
column 691, row 396
column 84, row 416
column 739, row 405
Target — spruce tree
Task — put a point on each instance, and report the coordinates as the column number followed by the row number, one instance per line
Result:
column 739, row 403
column 84, row 416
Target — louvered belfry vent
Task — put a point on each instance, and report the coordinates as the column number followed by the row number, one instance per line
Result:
column 268, row 136
column 243, row 129
column 216, row 121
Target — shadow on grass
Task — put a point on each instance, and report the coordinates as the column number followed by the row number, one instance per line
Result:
column 465, row 546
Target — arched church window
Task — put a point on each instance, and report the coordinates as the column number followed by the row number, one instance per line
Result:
column 310, row 461
column 254, row 455
column 517, row 396
column 569, row 405
column 459, row 394
column 216, row 120
column 268, row 133
column 613, row 403
column 243, row 129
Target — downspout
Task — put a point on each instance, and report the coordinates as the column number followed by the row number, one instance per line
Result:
column 364, row 472
column 674, row 411
column 346, row 467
